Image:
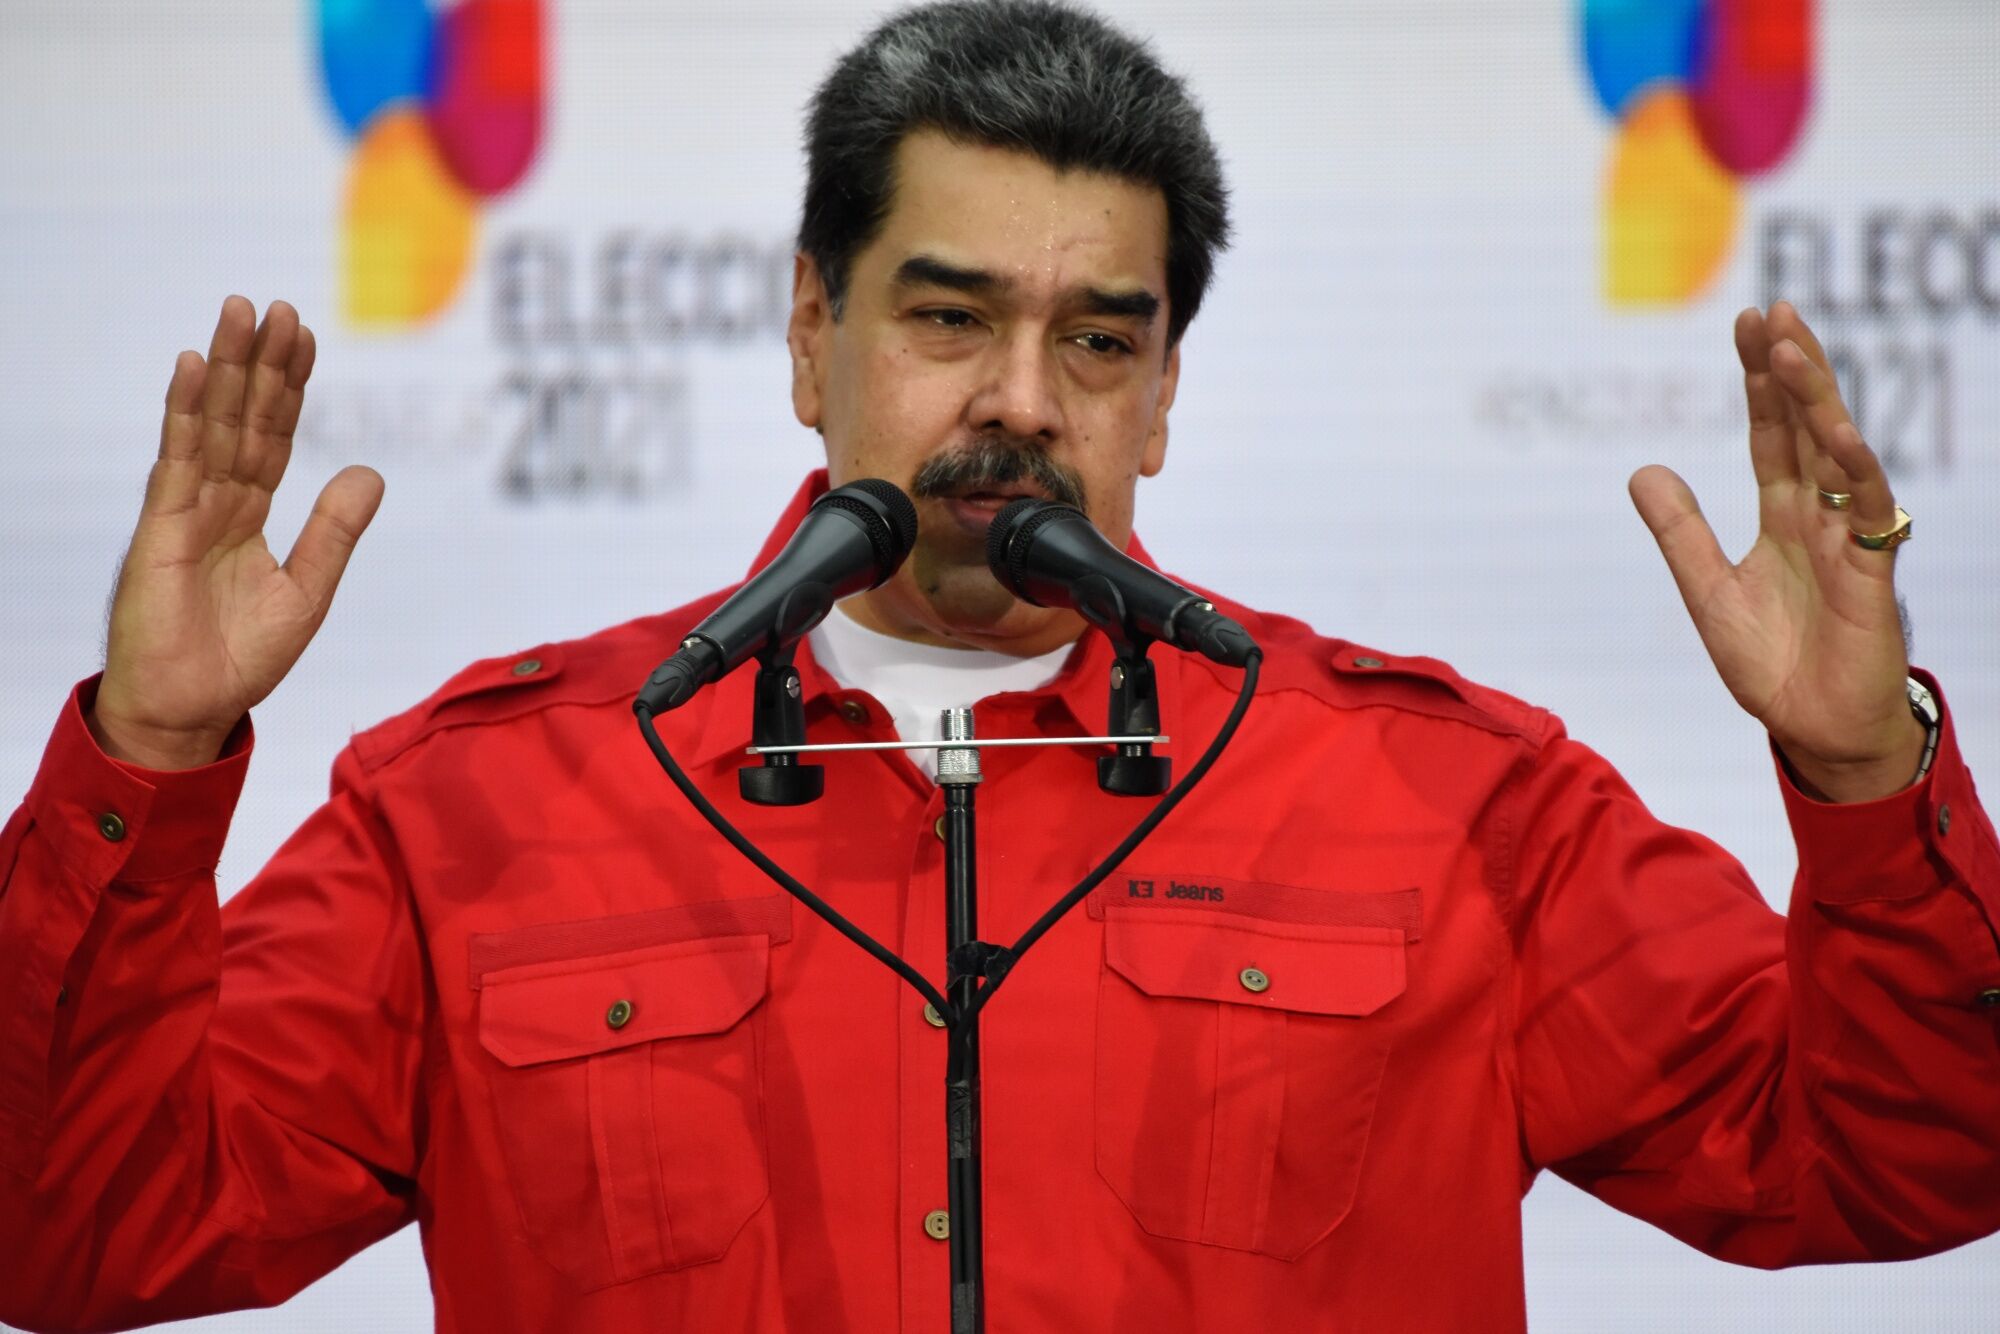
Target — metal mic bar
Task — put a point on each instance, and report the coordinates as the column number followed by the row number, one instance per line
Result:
column 959, row 745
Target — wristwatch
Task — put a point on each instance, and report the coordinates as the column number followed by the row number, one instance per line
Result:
column 1925, row 706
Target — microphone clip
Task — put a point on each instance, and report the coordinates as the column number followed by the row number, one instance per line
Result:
column 778, row 718
column 1135, row 711
column 1134, row 771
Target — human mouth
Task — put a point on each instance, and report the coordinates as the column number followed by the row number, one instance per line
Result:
column 975, row 509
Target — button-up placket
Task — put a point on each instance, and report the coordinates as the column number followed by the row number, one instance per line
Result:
column 923, row 1267
column 836, row 713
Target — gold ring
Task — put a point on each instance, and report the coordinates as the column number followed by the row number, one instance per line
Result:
column 1835, row 500
column 1888, row 541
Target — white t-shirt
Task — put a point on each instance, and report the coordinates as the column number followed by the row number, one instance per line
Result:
column 917, row 682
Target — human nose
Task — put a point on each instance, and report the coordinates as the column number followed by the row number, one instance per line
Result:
column 1017, row 393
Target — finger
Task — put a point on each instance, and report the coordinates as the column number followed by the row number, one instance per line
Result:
column 297, row 371
column 1688, row 543
column 1874, row 508
column 176, row 477
column 222, row 390
column 264, row 392
column 1816, row 404
column 1774, row 456
column 1786, row 323
column 339, row 517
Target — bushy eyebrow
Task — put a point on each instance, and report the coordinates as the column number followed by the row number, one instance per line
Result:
column 1137, row 304
column 930, row 271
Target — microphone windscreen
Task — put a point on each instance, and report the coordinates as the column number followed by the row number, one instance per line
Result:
column 902, row 512
column 1011, row 533
column 884, row 513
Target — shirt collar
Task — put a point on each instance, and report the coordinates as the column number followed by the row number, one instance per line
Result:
column 1082, row 688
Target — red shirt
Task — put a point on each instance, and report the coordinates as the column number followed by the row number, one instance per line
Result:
column 1484, row 958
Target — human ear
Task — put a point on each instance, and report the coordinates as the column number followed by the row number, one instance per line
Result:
column 805, row 336
column 1155, row 455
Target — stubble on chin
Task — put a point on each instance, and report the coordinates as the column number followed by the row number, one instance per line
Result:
column 951, row 575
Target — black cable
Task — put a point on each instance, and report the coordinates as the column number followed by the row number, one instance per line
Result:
column 1251, row 669
column 1042, row 924
column 779, row 874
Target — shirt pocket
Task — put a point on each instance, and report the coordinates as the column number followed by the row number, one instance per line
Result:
column 1238, row 1064
column 628, row 1095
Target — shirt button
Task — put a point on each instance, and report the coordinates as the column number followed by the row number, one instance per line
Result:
column 113, row 828
column 1988, row 999
column 938, row 828
column 1944, row 820
column 937, row 1224
column 932, row 1017
column 619, row 1014
column 1367, row 662
column 1254, row 979
column 527, row 666
column 854, row 711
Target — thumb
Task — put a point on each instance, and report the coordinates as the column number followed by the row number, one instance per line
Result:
column 342, row 513
column 1688, row 543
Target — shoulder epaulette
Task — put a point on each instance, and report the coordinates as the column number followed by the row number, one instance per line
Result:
column 1347, row 675
column 608, row 665
column 490, row 690
column 1426, row 685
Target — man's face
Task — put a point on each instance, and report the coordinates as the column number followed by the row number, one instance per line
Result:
column 1004, row 335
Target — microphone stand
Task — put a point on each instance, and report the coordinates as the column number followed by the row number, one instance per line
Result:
column 958, row 774
column 973, row 967
column 1133, row 771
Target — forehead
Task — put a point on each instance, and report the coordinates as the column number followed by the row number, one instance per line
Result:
column 1011, row 213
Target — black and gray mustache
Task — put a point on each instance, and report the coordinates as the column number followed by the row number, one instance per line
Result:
column 995, row 461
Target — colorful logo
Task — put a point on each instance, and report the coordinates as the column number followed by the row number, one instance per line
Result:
column 1705, row 93
column 444, row 105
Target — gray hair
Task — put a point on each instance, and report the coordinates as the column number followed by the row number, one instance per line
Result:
column 1042, row 77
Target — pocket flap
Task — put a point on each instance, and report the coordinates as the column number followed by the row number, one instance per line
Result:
column 1345, row 970
column 553, row 1011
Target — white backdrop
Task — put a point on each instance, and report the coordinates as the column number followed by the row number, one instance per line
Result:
column 1407, row 412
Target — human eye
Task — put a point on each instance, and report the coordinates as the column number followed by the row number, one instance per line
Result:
column 1104, row 344
column 948, row 317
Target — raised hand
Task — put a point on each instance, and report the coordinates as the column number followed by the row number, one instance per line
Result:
column 205, row 622
column 1804, row 629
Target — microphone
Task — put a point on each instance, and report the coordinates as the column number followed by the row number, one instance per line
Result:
column 853, row 538
column 1053, row 556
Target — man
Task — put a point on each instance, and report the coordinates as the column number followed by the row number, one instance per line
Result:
column 505, row 984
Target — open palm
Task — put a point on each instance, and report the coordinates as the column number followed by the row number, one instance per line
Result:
column 205, row 621
column 1805, row 629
